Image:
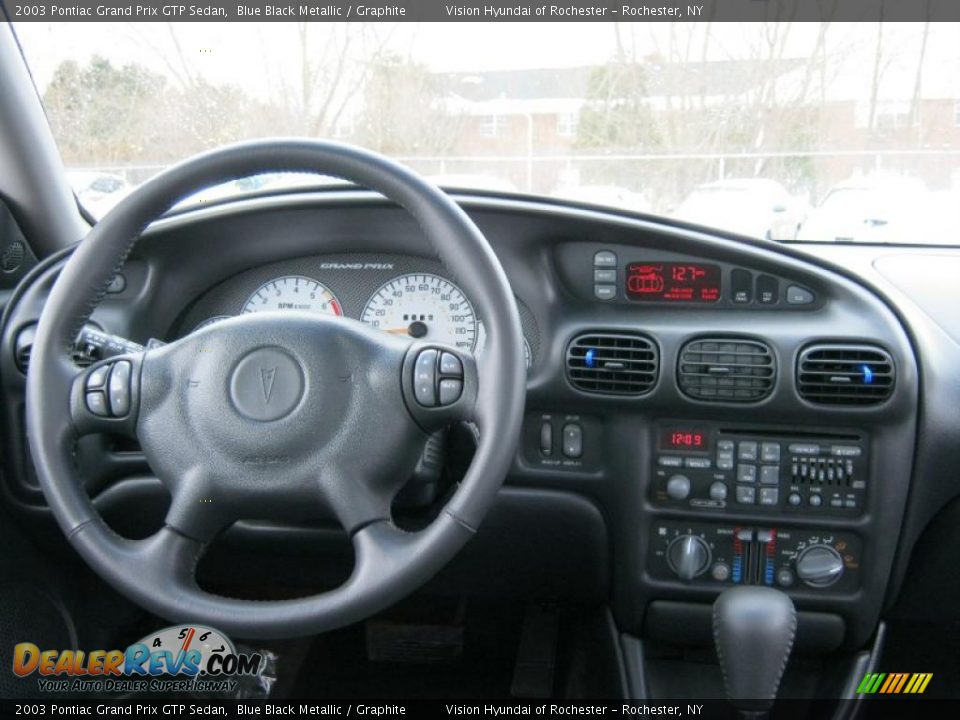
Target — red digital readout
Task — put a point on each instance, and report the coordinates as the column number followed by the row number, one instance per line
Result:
column 675, row 281
column 684, row 440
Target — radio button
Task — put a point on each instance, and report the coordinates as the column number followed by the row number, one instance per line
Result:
column 718, row 491
column 846, row 451
column 746, row 495
column 794, row 499
column 669, row 461
column 698, row 463
column 747, row 473
column 748, row 450
column 804, row 449
column 770, row 474
column 725, row 461
column 816, row 500
column 678, row 487
column 725, row 446
column 770, row 452
column 769, row 496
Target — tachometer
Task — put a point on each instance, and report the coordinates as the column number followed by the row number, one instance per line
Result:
column 427, row 306
column 293, row 292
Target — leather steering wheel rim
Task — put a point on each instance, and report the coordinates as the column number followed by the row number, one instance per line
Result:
column 158, row 572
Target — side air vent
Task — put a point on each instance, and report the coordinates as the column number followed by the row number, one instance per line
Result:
column 726, row 370
column 613, row 364
column 23, row 346
column 845, row 375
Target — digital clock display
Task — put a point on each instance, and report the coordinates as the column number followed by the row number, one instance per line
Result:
column 684, row 439
column 673, row 281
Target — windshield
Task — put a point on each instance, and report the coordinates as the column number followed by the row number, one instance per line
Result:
column 789, row 131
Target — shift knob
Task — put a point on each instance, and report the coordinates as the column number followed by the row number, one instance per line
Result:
column 753, row 628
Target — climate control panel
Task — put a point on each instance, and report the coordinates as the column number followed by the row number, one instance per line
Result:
column 754, row 555
column 707, row 468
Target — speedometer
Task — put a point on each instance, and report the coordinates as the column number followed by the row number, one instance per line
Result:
column 293, row 292
column 424, row 306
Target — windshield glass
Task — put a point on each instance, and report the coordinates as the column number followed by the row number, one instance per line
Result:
column 789, row 131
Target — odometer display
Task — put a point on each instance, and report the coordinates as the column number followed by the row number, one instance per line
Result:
column 424, row 306
column 673, row 281
column 293, row 292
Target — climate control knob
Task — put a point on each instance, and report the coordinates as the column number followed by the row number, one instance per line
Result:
column 678, row 487
column 819, row 566
column 688, row 556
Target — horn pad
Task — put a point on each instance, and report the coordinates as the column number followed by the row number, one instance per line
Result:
column 267, row 384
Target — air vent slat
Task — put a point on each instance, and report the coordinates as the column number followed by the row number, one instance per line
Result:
column 613, row 364
column 845, row 375
column 726, row 369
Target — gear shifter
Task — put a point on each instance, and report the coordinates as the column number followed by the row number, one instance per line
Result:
column 753, row 628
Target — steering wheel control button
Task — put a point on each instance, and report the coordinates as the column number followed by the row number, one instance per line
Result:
column 797, row 295
column 450, row 391
column 572, row 440
column 98, row 377
column 450, row 365
column 267, row 384
column 97, row 403
column 118, row 388
column 605, row 259
column 425, row 378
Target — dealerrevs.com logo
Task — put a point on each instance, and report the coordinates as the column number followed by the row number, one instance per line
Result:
column 180, row 658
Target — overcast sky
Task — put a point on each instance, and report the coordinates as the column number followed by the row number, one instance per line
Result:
column 252, row 55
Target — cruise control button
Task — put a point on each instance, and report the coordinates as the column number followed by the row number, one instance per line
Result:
column 605, row 259
column 98, row 377
column 97, row 403
column 425, row 378
column 119, row 388
column 450, row 391
column 450, row 365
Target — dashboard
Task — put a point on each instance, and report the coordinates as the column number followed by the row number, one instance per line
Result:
column 701, row 411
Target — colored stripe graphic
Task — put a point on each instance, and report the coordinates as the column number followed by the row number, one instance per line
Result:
column 894, row 683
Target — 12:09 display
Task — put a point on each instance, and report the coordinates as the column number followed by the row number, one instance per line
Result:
column 673, row 281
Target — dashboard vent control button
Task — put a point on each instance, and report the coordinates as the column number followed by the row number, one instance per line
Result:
column 845, row 375
column 613, row 364
column 726, row 370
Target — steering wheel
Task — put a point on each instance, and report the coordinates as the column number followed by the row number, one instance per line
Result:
column 279, row 416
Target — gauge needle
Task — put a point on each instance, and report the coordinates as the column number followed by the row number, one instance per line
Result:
column 399, row 331
column 416, row 329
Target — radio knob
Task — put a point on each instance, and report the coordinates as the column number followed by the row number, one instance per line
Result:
column 688, row 556
column 819, row 566
column 678, row 487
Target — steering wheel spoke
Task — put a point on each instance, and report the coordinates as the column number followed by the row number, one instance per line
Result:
column 105, row 397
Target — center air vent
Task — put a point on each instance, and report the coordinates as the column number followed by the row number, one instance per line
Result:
column 726, row 370
column 613, row 364
column 845, row 374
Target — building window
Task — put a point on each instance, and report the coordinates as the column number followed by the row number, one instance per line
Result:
column 493, row 125
column 567, row 125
